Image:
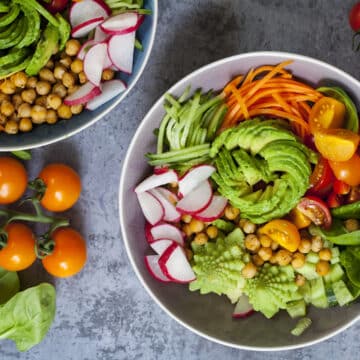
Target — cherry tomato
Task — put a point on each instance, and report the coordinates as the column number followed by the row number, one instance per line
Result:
column 327, row 113
column 55, row 6
column 19, row 252
column 354, row 17
column 283, row 232
column 69, row 255
column 316, row 210
column 63, row 187
column 341, row 188
column 13, row 180
column 333, row 200
column 299, row 219
column 347, row 171
column 321, row 179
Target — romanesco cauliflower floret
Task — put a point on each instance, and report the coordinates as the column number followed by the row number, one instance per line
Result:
column 271, row 289
column 218, row 266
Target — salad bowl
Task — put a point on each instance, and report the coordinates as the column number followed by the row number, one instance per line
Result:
column 47, row 134
column 210, row 315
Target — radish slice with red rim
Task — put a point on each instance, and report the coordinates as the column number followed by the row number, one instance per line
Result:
column 85, row 48
column 160, row 245
column 243, row 308
column 166, row 231
column 170, row 212
column 173, row 198
column 197, row 200
column 109, row 90
column 175, row 265
column 151, row 207
column 152, row 264
column 94, row 63
column 87, row 10
column 156, row 180
column 214, row 210
column 121, row 51
column 99, row 35
column 84, row 94
column 122, row 24
column 84, row 28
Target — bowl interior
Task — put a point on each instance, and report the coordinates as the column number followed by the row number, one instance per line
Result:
column 210, row 315
column 46, row 134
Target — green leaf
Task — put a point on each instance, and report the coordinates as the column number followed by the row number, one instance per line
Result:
column 22, row 154
column 9, row 285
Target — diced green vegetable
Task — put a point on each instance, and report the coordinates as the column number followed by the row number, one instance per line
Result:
column 301, row 326
column 296, row 308
column 342, row 293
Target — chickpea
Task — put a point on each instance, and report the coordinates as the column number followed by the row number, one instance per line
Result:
column 41, row 100
column 77, row 66
column 38, row 114
column 249, row 227
column 186, row 229
column 212, row 232
column 4, row 97
column 8, row 87
column 24, row 110
column 322, row 267
column 325, row 254
column 11, row 127
column 53, row 101
column 59, row 71
column 316, row 244
column 231, row 213
column 25, row 124
column 47, row 75
column 189, row 254
column 257, row 260
column 7, row 108
column 186, row 218
column 49, row 65
column 68, row 80
column 3, row 119
column 274, row 245
column 59, row 89
column 265, row 240
column 66, row 61
column 51, row 116
column 72, row 47
column 196, row 226
column 300, row 280
column 19, row 79
column 273, row 259
column 77, row 109
column 252, row 242
column 107, row 74
column 283, row 257
column 64, row 112
column 200, row 239
column 351, row 225
column 82, row 78
column 249, row 271
column 265, row 253
column 298, row 260
column 43, row 87
column 16, row 100
column 28, row 96
column 31, row 82
column 305, row 246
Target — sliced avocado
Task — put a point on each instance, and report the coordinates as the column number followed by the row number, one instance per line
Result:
column 40, row 9
column 12, row 69
column 16, row 36
column 4, row 8
column 8, row 30
column 10, row 16
column 13, row 57
column 46, row 47
column 33, row 27
column 64, row 31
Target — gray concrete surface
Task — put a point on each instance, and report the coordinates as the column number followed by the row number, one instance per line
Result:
column 104, row 313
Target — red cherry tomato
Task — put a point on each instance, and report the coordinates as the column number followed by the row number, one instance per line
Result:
column 341, row 188
column 321, row 179
column 354, row 17
column 316, row 210
column 347, row 171
column 333, row 200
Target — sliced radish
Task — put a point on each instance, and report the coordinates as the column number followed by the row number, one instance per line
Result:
column 191, row 179
column 85, row 48
column 83, row 11
column 173, row 198
column 175, row 265
column 154, row 181
column 104, row 5
column 152, row 264
column 197, row 200
column 122, row 24
column 151, row 207
column 214, row 210
column 99, row 35
column 148, row 235
column 84, row 94
column 84, row 28
column 159, row 246
column 170, row 212
column 166, row 231
column 110, row 89
column 94, row 63
column 243, row 308
column 121, row 51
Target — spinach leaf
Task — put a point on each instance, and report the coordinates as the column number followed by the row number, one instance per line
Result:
column 349, row 211
column 9, row 285
column 27, row 316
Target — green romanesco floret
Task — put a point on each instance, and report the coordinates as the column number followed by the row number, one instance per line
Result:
column 271, row 289
column 218, row 266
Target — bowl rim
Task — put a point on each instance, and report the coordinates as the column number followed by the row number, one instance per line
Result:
column 41, row 143
column 256, row 54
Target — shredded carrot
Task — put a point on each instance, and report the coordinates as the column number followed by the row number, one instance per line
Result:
column 269, row 91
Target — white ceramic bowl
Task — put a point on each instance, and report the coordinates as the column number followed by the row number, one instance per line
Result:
column 210, row 315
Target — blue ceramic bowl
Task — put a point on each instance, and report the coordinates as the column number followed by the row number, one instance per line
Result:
column 47, row 134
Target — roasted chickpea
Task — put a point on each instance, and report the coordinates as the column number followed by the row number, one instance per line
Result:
column 189, row 254
column 77, row 66
column 19, row 79
column 64, row 112
column 46, row 74
column 59, row 71
column 51, row 116
column 305, row 246
column 16, row 100
column 274, row 245
column 252, row 242
column 200, row 239
column 283, row 257
column 249, row 270
column 41, row 100
column 38, row 114
column 77, row 109
column 11, row 127
column 43, row 87
column 82, row 78
column 24, row 110
column 53, row 101
column 50, row 65
column 28, row 96
column 31, row 82
column 59, row 89
column 316, row 243
column 298, row 260
column 186, row 229
column 322, row 268
column 3, row 119
column 265, row 240
column 68, row 80
column 4, row 97
column 196, row 226
column 72, row 47
column 186, row 218
column 351, row 224
column 107, row 74
column 7, row 108
column 300, row 280
column 212, row 231
column 7, row 87
column 325, row 254
column 273, row 259
column 66, row 61
column 257, row 260
column 249, row 227
column 231, row 213
column 265, row 253
column 25, row 125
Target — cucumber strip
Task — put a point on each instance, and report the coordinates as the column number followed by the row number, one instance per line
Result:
column 171, row 100
column 216, row 122
column 161, row 134
column 301, row 326
column 10, row 16
column 138, row 45
column 183, row 97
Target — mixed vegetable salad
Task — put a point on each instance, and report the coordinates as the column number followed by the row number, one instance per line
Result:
column 58, row 58
column 255, row 194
